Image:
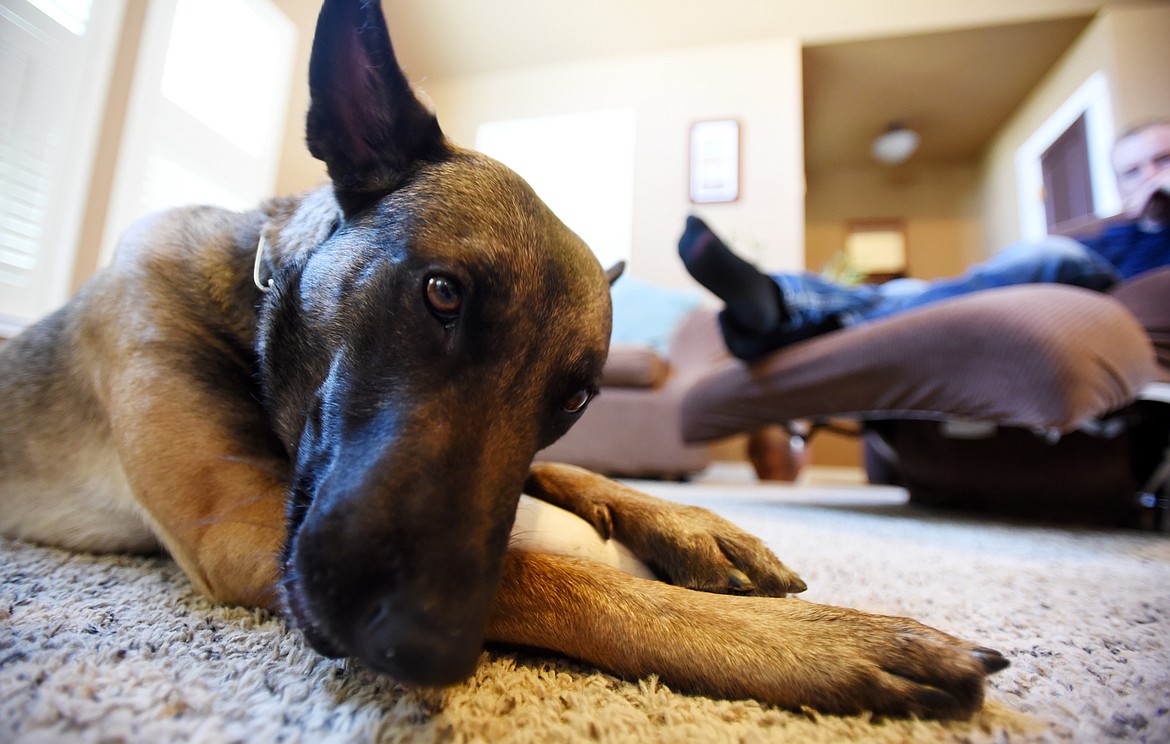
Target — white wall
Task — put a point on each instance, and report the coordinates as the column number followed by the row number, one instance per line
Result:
column 759, row 84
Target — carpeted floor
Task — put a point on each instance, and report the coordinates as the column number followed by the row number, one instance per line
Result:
column 108, row 649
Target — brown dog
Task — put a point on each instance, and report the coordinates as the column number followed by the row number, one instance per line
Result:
column 346, row 440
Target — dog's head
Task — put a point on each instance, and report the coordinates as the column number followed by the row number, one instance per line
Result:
column 414, row 361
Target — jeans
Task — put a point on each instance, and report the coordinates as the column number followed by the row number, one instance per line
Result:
column 813, row 300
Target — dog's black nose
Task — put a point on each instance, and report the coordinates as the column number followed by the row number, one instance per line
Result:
column 416, row 649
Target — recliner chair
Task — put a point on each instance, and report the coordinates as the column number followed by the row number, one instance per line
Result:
column 1025, row 400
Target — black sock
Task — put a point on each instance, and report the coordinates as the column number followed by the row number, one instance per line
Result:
column 752, row 298
column 750, row 346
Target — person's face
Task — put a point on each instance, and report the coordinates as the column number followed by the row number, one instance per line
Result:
column 1142, row 163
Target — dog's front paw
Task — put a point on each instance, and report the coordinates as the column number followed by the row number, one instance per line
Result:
column 900, row 667
column 697, row 549
column 684, row 545
column 841, row 661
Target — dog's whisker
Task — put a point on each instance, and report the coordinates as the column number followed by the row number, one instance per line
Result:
column 214, row 521
column 517, row 535
column 262, row 464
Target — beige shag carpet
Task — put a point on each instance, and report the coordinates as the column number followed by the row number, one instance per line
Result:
column 118, row 649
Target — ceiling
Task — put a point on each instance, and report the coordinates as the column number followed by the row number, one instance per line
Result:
column 956, row 89
column 955, row 86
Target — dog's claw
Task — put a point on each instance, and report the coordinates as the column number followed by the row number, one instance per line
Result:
column 739, row 582
column 992, row 660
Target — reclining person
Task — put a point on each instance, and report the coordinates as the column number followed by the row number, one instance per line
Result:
column 764, row 312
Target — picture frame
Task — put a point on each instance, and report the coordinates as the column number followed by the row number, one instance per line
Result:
column 714, row 161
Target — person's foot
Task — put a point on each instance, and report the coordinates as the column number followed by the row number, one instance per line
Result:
column 745, row 344
column 753, row 299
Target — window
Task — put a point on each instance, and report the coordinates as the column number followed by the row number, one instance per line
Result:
column 207, row 112
column 204, row 124
column 581, row 165
column 1092, row 102
column 55, row 60
column 72, row 15
column 1068, row 188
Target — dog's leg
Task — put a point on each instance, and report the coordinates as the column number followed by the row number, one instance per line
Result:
column 686, row 545
column 207, row 472
column 542, row 527
column 786, row 652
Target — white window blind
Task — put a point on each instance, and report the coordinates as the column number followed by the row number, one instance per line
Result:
column 55, row 58
column 72, row 15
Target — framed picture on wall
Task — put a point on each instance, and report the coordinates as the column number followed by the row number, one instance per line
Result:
column 714, row 161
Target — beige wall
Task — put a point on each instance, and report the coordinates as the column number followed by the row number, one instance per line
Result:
column 669, row 90
column 939, row 204
column 758, row 84
column 1141, row 62
column 298, row 170
column 1130, row 45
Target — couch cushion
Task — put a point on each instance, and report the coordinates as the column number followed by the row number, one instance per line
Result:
column 635, row 366
column 645, row 313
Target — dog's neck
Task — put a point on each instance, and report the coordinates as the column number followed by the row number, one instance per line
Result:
column 293, row 228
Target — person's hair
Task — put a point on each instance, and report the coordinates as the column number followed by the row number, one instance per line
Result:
column 1135, row 129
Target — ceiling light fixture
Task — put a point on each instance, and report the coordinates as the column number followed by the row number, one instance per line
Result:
column 895, row 145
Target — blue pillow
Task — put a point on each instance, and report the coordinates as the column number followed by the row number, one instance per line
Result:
column 645, row 313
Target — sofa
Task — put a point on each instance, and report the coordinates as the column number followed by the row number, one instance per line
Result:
column 633, row 428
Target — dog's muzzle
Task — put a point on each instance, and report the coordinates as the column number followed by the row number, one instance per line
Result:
column 419, row 641
column 416, row 649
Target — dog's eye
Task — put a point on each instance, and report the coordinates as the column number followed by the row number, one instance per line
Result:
column 444, row 296
column 578, row 401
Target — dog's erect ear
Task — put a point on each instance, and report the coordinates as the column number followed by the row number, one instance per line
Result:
column 364, row 120
column 615, row 271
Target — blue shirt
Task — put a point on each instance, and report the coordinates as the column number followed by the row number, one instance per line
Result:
column 1131, row 249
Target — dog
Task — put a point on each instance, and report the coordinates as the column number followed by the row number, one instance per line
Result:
column 330, row 407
